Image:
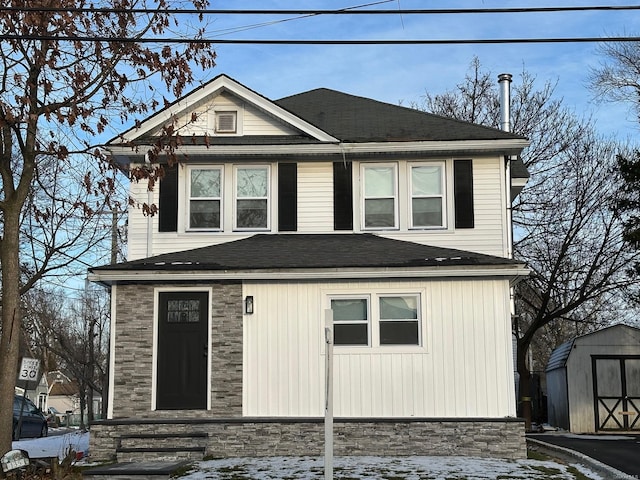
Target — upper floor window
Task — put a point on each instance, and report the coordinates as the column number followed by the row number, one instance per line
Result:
column 380, row 196
column 427, row 196
column 376, row 320
column 252, row 197
column 205, row 198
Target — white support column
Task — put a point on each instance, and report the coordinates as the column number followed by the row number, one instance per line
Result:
column 328, row 404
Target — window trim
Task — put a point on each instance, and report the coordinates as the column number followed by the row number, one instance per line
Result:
column 268, row 198
column 216, row 117
column 222, row 109
column 373, row 310
column 188, row 197
column 363, row 196
column 367, row 321
column 443, row 194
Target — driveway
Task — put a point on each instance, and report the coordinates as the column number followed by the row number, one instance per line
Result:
column 618, row 451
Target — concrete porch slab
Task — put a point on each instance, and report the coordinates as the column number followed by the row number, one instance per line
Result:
column 152, row 470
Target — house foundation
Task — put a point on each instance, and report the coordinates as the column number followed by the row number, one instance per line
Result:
column 140, row 439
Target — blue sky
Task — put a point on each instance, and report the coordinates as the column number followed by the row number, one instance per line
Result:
column 402, row 73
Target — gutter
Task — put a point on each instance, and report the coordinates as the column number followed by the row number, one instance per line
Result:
column 514, row 273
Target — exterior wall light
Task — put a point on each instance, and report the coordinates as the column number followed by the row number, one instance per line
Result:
column 248, row 304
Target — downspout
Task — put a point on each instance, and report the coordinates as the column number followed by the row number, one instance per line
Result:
column 149, row 217
column 504, row 79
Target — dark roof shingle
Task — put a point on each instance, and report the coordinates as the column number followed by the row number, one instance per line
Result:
column 357, row 119
column 308, row 251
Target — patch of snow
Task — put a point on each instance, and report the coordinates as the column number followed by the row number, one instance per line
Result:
column 356, row 468
column 374, row 468
column 54, row 446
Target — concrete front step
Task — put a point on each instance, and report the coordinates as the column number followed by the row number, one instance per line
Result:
column 152, row 470
column 166, row 454
column 141, row 447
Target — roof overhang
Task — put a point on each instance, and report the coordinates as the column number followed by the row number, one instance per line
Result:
column 513, row 272
column 219, row 84
column 126, row 154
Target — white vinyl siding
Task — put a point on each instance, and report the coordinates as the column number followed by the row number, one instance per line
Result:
column 250, row 120
column 315, row 214
column 315, row 197
column 463, row 369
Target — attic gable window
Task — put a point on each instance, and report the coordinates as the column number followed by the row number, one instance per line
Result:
column 226, row 122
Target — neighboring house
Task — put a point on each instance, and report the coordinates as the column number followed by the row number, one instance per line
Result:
column 64, row 394
column 593, row 382
column 37, row 393
column 394, row 219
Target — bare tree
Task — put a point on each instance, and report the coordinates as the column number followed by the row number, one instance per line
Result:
column 58, row 98
column 566, row 224
column 618, row 75
column 71, row 336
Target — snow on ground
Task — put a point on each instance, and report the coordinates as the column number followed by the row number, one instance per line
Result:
column 352, row 468
column 54, row 446
column 375, row 468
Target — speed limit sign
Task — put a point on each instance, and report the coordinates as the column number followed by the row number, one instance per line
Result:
column 29, row 369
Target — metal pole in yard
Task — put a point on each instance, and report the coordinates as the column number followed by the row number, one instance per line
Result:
column 328, row 404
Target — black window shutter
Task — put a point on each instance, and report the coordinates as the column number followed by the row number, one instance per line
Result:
column 287, row 197
column 168, row 202
column 342, row 196
column 463, row 193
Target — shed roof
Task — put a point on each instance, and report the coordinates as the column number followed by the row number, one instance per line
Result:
column 558, row 358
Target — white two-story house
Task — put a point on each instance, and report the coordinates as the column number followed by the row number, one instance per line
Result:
column 396, row 221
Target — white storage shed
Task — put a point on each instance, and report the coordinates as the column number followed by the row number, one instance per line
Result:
column 593, row 382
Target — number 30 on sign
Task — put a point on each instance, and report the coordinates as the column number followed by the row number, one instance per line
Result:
column 29, row 369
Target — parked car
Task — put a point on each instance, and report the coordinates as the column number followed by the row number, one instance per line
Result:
column 34, row 423
column 55, row 417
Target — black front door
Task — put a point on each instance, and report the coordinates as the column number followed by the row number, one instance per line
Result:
column 616, row 385
column 182, row 350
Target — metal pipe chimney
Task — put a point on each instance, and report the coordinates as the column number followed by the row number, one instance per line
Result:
column 504, row 79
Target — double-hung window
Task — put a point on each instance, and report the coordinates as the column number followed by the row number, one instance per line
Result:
column 399, row 320
column 427, row 196
column 205, row 198
column 376, row 320
column 351, row 320
column 380, row 196
column 252, row 197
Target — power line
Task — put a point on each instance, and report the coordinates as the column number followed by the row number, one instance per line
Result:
column 343, row 11
column 322, row 42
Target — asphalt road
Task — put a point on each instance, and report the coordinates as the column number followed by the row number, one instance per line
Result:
column 621, row 452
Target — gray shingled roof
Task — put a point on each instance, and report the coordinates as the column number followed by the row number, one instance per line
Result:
column 308, row 251
column 357, row 119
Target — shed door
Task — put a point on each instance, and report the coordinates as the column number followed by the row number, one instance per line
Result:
column 182, row 350
column 616, row 383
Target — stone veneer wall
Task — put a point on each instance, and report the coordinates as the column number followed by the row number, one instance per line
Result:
column 230, row 435
column 256, row 437
column 135, row 317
